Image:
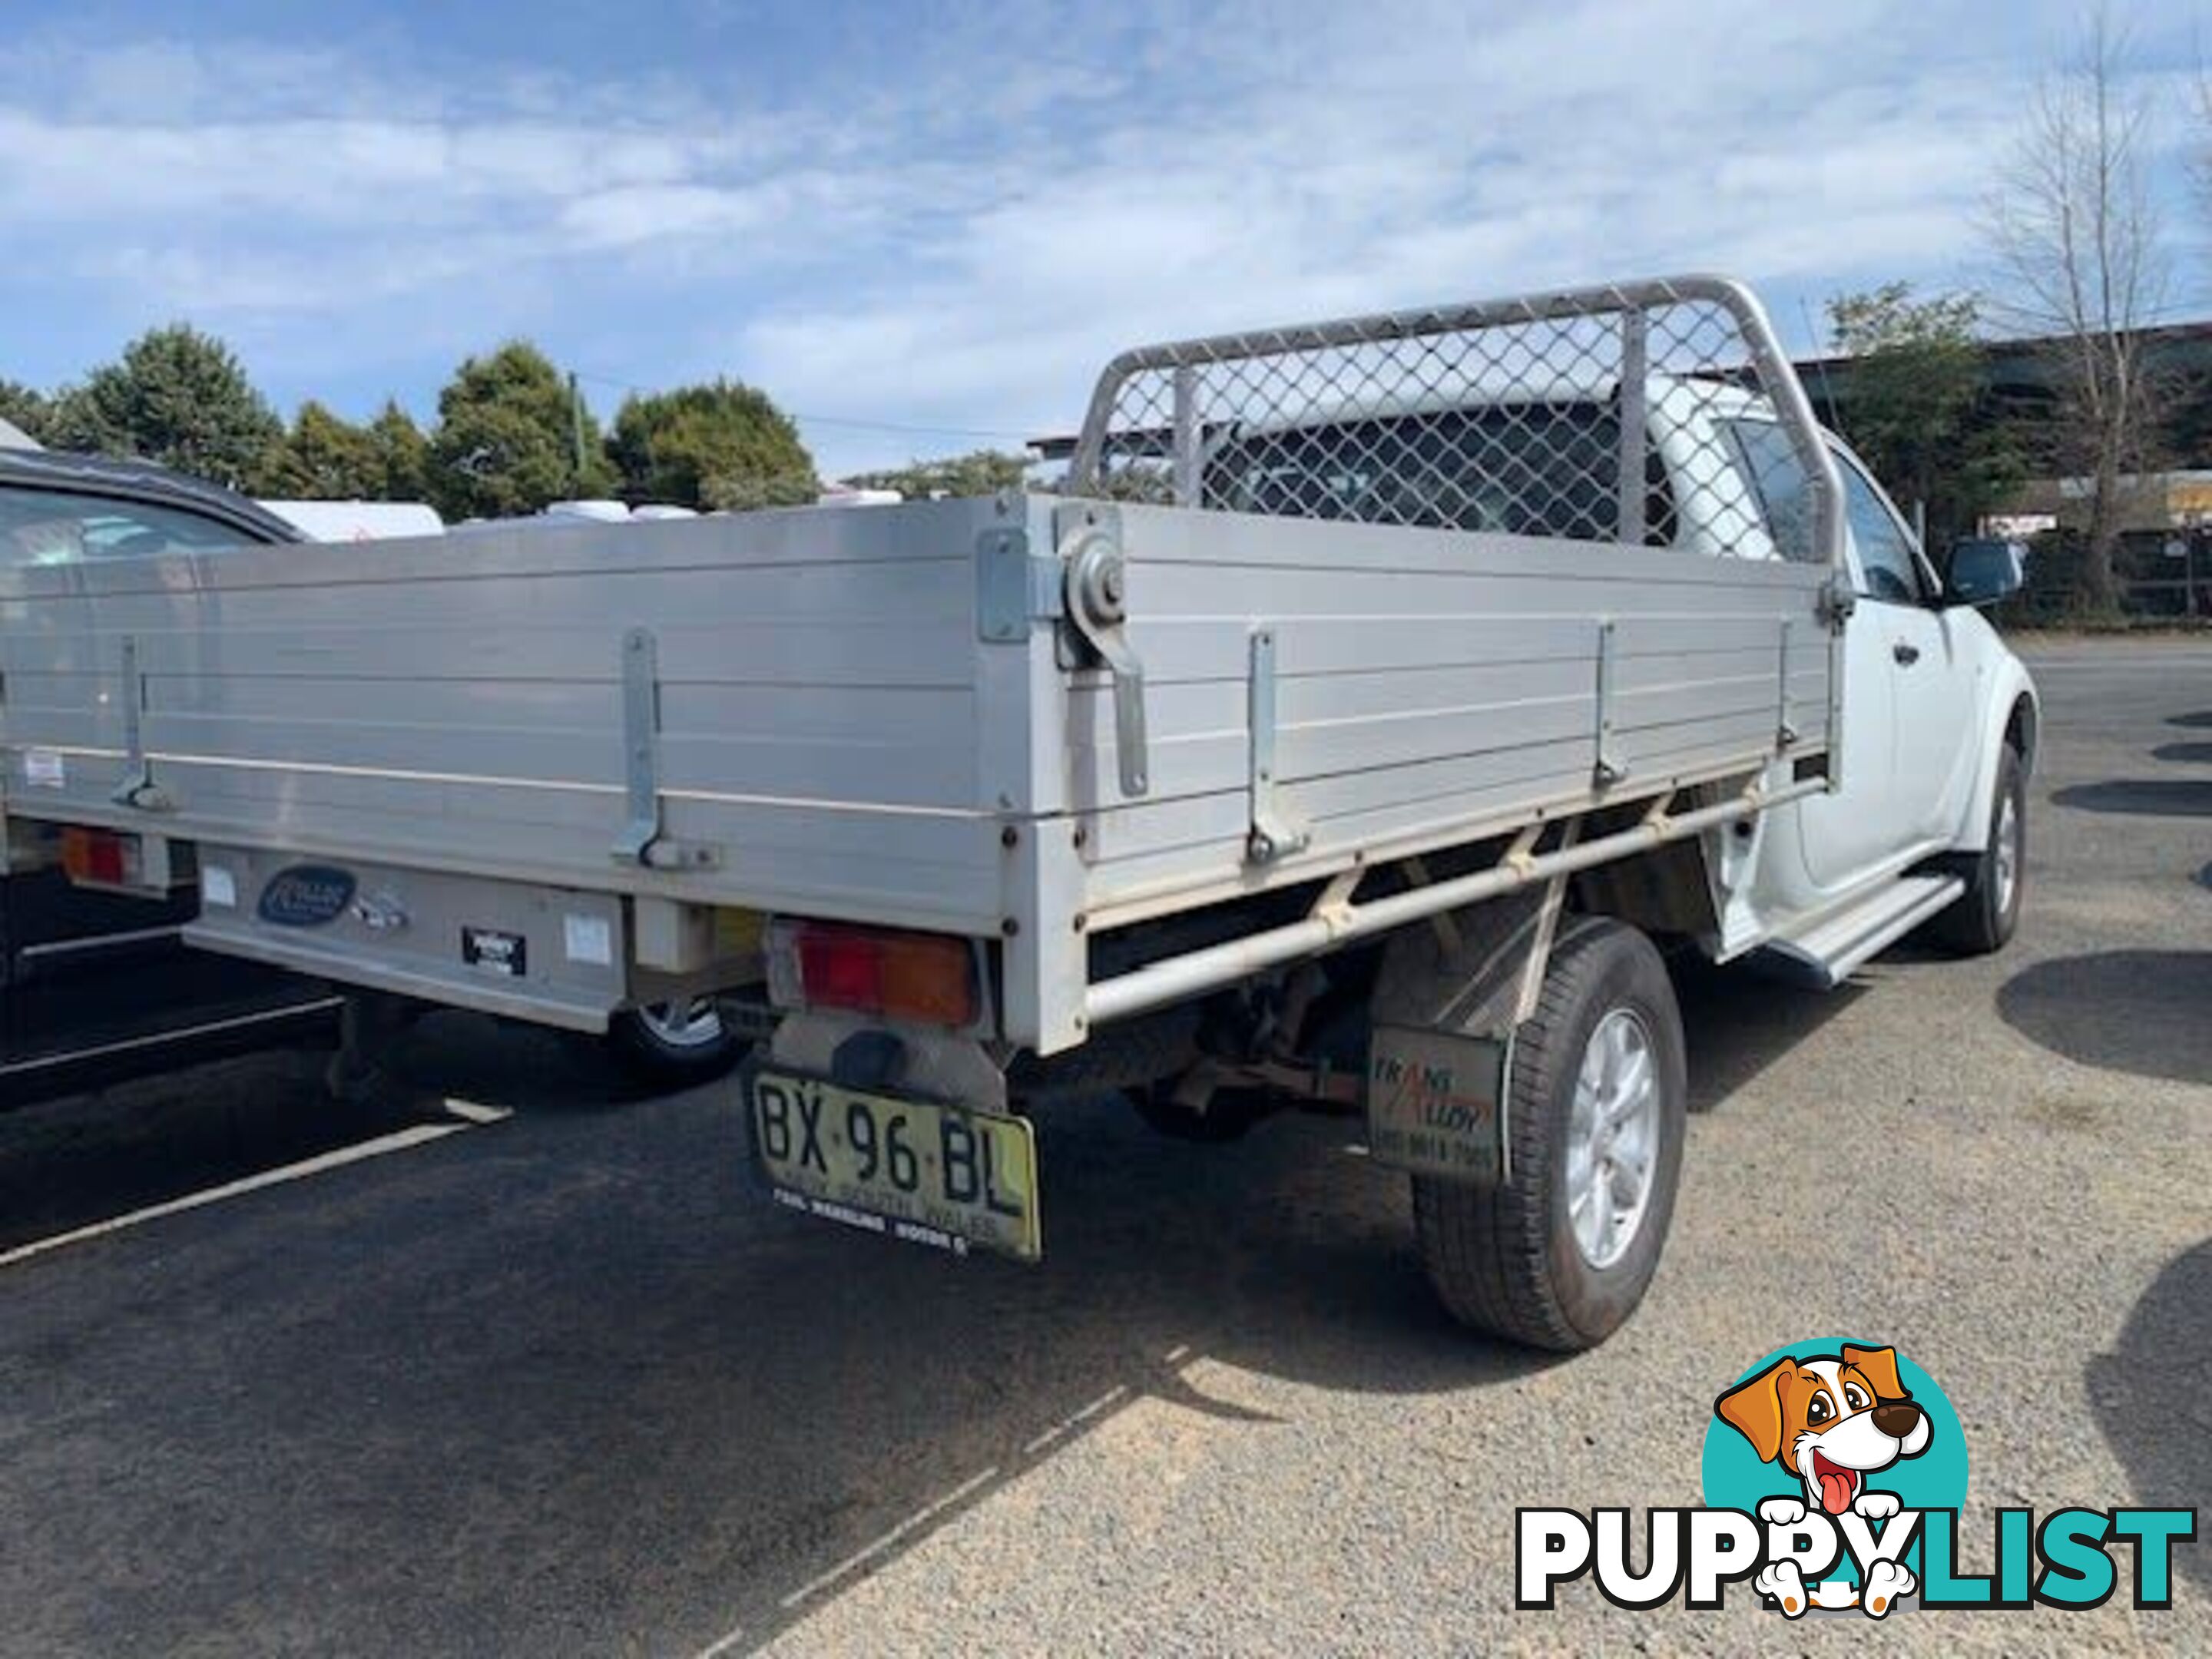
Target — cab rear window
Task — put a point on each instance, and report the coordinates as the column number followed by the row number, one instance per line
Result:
column 1778, row 479
column 1523, row 469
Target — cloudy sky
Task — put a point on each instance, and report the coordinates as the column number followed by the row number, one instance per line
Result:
column 920, row 224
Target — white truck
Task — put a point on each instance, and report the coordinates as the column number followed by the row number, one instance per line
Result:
column 1375, row 705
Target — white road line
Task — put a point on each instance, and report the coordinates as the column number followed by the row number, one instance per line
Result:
column 722, row 1645
column 1075, row 1420
column 180, row 1034
column 861, row 1557
column 1099, row 1404
column 472, row 1116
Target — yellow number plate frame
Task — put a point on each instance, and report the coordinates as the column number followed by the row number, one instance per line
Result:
column 922, row 1171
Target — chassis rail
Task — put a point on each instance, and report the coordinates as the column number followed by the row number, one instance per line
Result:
column 1337, row 920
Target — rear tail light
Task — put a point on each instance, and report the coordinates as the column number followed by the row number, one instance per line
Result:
column 103, row 858
column 928, row 978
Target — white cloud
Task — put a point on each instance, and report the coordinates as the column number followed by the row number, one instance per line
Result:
column 952, row 233
column 1388, row 162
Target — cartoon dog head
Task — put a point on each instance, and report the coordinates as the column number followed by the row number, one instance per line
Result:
column 1831, row 1419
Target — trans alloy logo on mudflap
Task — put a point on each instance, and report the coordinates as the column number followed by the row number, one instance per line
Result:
column 1835, row 1473
column 306, row 895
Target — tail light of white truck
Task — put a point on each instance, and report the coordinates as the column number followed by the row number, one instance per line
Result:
column 121, row 862
column 928, row 979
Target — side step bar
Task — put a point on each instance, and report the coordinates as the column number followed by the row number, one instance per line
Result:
column 1832, row 946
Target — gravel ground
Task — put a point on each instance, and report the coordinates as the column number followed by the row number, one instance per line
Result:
column 2004, row 1167
column 556, row 1385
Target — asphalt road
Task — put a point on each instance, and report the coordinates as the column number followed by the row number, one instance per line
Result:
column 555, row 1383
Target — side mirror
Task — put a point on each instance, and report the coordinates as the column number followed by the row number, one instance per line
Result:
column 1982, row 570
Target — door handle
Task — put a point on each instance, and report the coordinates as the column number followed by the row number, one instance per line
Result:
column 1906, row 654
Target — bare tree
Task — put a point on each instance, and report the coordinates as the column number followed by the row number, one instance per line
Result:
column 2077, row 241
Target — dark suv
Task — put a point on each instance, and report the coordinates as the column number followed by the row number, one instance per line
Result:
column 95, row 986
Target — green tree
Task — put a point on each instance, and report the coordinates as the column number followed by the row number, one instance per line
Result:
column 71, row 423
column 324, row 459
column 983, row 472
column 402, row 455
column 178, row 396
column 724, row 445
column 509, row 438
column 24, row 408
column 1913, row 404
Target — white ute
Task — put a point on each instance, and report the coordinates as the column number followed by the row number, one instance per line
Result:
column 1375, row 706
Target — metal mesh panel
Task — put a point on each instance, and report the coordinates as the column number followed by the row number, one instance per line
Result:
column 1657, row 413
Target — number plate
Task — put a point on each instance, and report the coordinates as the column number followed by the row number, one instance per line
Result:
column 913, row 1169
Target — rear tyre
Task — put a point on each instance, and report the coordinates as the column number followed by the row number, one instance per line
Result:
column 1987, row 914
column 1560, row 1255
column 675, row 1044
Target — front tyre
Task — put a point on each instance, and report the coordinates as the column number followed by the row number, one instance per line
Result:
column 677, row 1044
column 1560, row 1254
column 1987, row 914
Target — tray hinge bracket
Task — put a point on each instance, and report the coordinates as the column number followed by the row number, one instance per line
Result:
column 641, row 842
column 136, row 788
column 1837, row 604
column 1609, row 768
column 1785, row 733
column 1094, row 586
column 1013, row 591
column 1271, row 836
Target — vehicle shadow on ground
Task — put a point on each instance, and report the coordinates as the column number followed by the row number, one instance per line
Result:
column 1740, row 1022
column 71, row 1162
column 2066, row 1005
column 1283, row 1255
column 451, row 1053
column 563, row 1382
column 2196, row 719
column 2164, row 798
column 569, row 1386
column 81, row 1159
column 2184, row 754
column 2147, row 1396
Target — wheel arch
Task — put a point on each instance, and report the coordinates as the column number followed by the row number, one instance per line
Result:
column 2013, row 718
